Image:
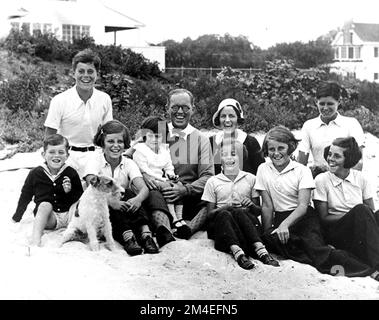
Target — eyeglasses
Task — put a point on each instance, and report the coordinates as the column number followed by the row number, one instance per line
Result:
column 326, row 104
column 176, row 108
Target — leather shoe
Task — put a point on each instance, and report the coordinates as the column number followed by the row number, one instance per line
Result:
column 183, row 232
column 163, row 236
column 132, row 247
column 268, row 259
column 244, row 262
column 149, row 245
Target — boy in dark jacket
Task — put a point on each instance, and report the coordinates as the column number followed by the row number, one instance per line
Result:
column 54, row 185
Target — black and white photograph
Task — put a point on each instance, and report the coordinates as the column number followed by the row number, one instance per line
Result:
column 160, row 151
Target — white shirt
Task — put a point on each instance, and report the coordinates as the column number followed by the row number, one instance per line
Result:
column 76, row 120
column 342, row 195
column 283, row 187
column 183, row 133
column 316, row 135
column 221, row 190
column 124, row 173
column 152, row 163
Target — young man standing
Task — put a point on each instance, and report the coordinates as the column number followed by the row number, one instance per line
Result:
column 77, row 112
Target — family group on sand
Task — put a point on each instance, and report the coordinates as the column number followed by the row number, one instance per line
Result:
column 252, row 200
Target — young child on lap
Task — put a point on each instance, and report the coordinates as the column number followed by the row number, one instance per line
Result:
column 154, row 159
column 54, row 185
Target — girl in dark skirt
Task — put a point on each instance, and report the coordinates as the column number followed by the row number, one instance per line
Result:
column 344, row 200
column 127, row 215
column 291, row 226
column 231, row 197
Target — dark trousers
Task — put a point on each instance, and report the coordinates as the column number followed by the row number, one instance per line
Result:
column 192, row 205
column 123, row 221
column 357, row 232
column 234, row 227
column 307, row 245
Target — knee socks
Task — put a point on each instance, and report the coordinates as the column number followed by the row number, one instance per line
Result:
column 260, row 249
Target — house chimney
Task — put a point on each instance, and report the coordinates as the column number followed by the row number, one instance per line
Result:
column 348, row 25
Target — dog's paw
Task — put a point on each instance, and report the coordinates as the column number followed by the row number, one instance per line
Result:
column 94, row 246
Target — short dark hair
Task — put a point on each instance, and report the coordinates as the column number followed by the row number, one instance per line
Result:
column 154, row 124
column 179, row 91
column 351, row 152
column 110, row 127
column 240, row 120
column 55, row 140
column 280, row 134
column 328, row 89
column 87, row 56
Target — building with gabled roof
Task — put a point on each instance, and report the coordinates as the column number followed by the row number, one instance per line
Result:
column 69, row 19
column 356, row 51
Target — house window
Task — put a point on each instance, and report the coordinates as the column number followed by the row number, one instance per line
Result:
column 85, row 31
column 66, row 32
column 376, row 76
column 351, row 37
column 75, row 32
column 336, row 53
column 343, row 52
column 70, row 32
column 351, row 52
column 376, row 52
column 36, row 28
column 357, row 52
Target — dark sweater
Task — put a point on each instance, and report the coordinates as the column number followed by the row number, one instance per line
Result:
column 43, row 189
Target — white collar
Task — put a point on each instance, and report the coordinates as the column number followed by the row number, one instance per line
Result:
column 240, row 175
column 105, row 163
column 291, row 165
column 51, row 176
column 240, row 136
column 337, row 120
column 180, row 133
column 337, row 180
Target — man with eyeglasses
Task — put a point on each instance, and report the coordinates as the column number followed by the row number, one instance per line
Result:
column 319, row 132
column 192, row 158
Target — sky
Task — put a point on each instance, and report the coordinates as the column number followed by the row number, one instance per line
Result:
column 264, row 22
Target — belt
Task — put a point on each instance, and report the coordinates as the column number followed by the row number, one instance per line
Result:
column 82, row 149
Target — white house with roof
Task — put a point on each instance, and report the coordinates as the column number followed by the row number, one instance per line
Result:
column 356, row 51
column 69, row 19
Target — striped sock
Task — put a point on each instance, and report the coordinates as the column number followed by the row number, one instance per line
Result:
column 236, row 251
column 127, row 235
column 145, row 234
column 260, row 249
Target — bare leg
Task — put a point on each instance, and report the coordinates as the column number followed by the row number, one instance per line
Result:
column 44, row 219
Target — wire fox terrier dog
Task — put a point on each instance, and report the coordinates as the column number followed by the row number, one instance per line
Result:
column 90, row 215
